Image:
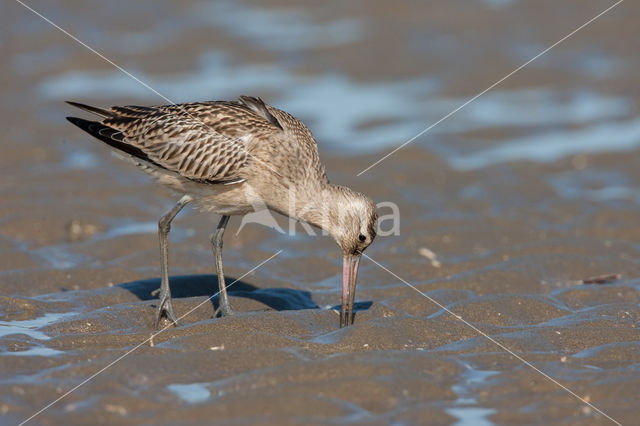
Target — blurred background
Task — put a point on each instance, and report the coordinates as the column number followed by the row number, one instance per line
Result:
column 517, row 197
column 365, row 76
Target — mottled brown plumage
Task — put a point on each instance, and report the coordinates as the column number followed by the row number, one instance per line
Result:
column 232, row 158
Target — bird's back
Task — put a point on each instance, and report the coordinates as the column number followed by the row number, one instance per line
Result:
column 212, row 142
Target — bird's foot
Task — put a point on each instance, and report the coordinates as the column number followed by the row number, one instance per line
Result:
column 223, row 310
column 165, row 308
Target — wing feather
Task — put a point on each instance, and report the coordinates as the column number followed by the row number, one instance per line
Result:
column 205, row 141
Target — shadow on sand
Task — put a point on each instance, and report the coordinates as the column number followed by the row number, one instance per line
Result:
column 280, row 299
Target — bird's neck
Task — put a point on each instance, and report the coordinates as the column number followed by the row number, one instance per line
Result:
column 319, row 205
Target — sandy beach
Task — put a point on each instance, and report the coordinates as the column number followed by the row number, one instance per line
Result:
column 511, row 211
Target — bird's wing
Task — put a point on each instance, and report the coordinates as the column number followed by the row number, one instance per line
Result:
column 204, row 141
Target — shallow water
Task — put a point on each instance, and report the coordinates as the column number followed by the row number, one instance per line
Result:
column 516, row 198
column 30, row 327
column 192, row 393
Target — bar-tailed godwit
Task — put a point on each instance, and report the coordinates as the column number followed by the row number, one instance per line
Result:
column 228, row 157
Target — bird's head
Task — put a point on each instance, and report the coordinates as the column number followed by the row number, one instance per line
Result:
column 355, row 227
column 351, row 219
column 354, row 230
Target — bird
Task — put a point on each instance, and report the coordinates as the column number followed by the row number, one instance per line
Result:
column 236, row 157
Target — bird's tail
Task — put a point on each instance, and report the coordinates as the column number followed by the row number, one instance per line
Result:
column 110, row 136
column 104, row 113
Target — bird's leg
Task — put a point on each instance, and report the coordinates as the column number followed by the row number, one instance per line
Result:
column 216, row 242
column 164, row 225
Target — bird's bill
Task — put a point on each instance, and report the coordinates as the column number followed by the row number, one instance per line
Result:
column 349, row 276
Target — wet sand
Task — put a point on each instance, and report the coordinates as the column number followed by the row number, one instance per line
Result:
column 505, row 209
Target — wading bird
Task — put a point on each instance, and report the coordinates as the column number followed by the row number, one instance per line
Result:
column 228, row 157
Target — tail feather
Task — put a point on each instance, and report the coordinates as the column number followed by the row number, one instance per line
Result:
column 111, row 137
column 94, row 110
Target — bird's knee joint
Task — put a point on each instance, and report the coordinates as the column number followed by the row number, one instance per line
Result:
column 216, row 240
column 164, row 225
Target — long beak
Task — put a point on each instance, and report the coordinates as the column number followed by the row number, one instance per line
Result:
column 349, row 276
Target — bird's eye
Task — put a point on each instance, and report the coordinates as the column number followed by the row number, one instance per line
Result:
column 362, row 238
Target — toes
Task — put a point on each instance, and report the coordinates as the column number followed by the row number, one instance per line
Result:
column 171, row 316
column 226, row 311
column 165, row 308
column 223, row 311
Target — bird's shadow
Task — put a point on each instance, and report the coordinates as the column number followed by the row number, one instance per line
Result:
column 279, row 299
